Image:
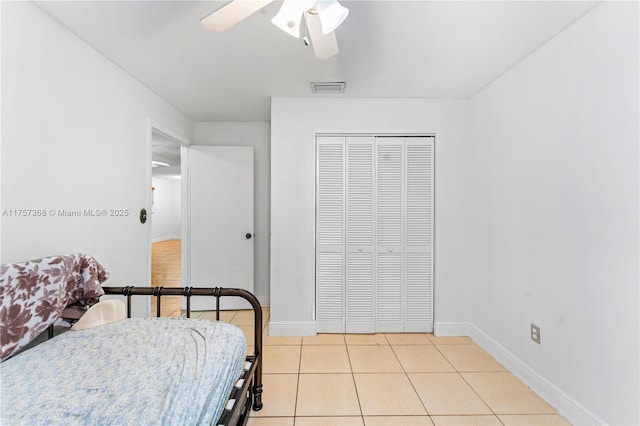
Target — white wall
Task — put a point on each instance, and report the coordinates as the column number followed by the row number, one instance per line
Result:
column 536, row 212
column 536, row 189
column 294, row 124
column 555, row 188
column 253, row 134
column 75, row 135
column 167, row 209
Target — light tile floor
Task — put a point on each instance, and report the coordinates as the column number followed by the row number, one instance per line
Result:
column 373, row 379
column 386, row 379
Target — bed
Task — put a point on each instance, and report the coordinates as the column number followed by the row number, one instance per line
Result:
column 133, row 371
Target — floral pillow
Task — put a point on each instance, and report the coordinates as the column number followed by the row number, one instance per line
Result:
column 33, row 294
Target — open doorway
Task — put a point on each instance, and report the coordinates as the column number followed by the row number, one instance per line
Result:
column 166, row 219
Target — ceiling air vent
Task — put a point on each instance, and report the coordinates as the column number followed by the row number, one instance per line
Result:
column 327, row 88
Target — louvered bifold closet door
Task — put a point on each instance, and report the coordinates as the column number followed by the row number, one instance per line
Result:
column 419, row 235
column 360, row 280
column 330, row 235
column 390, row 232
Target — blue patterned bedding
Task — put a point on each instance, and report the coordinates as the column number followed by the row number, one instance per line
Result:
column 162, row 371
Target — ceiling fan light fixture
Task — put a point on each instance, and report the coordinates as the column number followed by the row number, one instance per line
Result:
column 290, row 14
column 331, row 14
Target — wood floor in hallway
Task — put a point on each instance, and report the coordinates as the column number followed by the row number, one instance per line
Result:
column 165, row 272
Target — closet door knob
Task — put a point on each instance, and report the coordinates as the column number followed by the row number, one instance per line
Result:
column 390, row 249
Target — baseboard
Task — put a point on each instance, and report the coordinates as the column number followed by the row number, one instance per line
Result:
column 563, row 403
column 160, row 239
column 447, row 329
column 292, row 328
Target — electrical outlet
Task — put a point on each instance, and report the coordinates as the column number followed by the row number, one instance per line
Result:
column 535, row 333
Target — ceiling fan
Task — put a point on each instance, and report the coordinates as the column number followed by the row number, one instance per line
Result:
column 322, row 17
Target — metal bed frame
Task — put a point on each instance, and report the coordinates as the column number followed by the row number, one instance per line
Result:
column 247, row 392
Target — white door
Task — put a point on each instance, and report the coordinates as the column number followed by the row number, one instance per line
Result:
column 360, row 285
column 220, row 222
column 419, row 235
column 374, row 234
column 390, row 201
column 330, row 238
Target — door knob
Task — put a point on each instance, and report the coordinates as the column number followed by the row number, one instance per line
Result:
column 248, row 236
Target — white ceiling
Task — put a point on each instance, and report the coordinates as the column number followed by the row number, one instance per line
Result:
column 426, row 49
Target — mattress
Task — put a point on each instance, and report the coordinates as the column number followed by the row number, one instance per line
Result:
column 162, row 371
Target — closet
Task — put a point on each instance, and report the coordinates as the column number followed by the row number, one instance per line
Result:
column 374, row 234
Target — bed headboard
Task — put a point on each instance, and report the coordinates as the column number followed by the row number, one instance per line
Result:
column 34, row 293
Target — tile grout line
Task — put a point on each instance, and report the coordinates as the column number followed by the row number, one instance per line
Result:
column 353, row 378
column 459, row 373
column 295, row 403
column 406, row 374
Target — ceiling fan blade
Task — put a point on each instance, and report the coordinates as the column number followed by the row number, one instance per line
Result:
column 232, row 13
column 324, row 45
